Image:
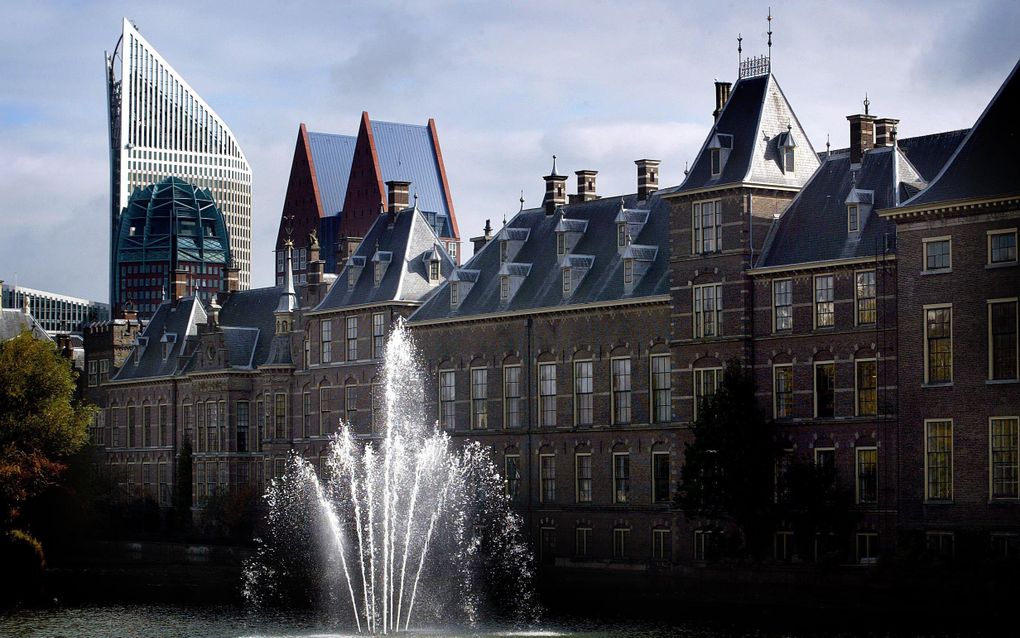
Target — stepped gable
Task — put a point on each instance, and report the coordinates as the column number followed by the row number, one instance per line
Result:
column 542, row 285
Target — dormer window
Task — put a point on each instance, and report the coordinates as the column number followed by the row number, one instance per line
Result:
column 504, row 287
column 434, row 271
column 628, row 271
column 788, row 160
column 566, row 281
column 352, row 277
column 503, row 251
column 716, row 162
column 379, row 270
column 853, row 217
column 621, row 234
column 454, row 294
column 561, row 244
column 165, row 349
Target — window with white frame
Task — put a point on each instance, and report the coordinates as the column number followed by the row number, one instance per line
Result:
column 628, row 271
column 479, row 398
column 434, row 271
column 662, row 546
column 621, row 390
column 582, row 477
column 512, row 475
column 865, row 293
column 938, row 343
column 325, row 427
column 621, row 234
column 350, row 402
column 504, row 287
column 938, row 254
column 454, row 294
column 547, row 478
column 867, row 475
column 352, row 338
column 547, row 394
column 715, row 158
column 583, row 393
column 306, row 414
column 938, row 459
column 326, row 330
column 1002, row 246
column 782, row 304
column 621, row 477
column 660, row 477
column 512, row 396
column 566, row 281
column 1004, row 464
column 378, row 335
column 662, row 400
column 825, row 309
column 621, row 539
column 782, row 391
column 1002, row 340
column 867, row 387
column 706, row 382
column 582, row 542
column 707, row 310
column 707, row 225
column 447, row 399
column 561, row 244
column 853, row 223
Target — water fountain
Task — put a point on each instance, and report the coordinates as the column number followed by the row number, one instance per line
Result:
column 404, row 525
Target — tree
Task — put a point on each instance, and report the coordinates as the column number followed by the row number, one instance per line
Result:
column 41, row 422
column 182, row 490
column 818, row 509
column 729, row 467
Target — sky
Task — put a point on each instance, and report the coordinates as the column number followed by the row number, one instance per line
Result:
column 509, row 84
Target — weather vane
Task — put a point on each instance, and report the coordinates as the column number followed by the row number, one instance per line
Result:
column 867, row 103
column 289, row 228
column 770, row 33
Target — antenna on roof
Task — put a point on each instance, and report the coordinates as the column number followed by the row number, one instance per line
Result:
column 770, row 34
column 867, row 103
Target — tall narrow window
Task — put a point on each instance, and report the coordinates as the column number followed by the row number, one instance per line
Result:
column 306, row 414
column 479, row 398
column 350, row 403
column 325, row 426
column 1002, row 246
column 662, row 546
column 1005, row 457
column 280, row 415
column 867, row 387
column 621, row 234
column 512, row 474
column 938, row 344
column 867, row 475
column 706, row 382
column 547, row 394
column 352, row 338
column 621, row 477
column 938, row 460
column 447, row 399
column 504, row 287
column 164, row 431
column 512, row 396
column 782, row 304
column 660, row 477
column 212, row 426
column 567, row 286
column 707, row 310
column 825, row 316
column 547, row 477
column 662, row 400
column 938, row 254
column 782, row 391
column 707, row 224
column 789, row 160
column 621, row 391
column 583, row 402
column 242, row 408
column 853, row 223
column 454, row 294
column 561, row 244
column 378, row 335
column 866, row 295
column 621, row 539
column 715, row 158
column 1002, row 342
column 628, row 271
column 825, row 389
column 582, row 475
column 582, row 542
column 326, row 328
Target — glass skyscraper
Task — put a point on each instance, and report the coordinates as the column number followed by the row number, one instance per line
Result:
column 160, row 127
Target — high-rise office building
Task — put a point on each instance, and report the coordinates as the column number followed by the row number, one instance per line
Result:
column 160, row 127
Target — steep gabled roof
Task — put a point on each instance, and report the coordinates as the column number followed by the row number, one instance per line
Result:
column 331, row 162
column 542, row 285
column 984, row 166
column 406, row 153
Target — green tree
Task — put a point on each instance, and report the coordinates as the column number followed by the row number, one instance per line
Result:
column 729, row 467
column 41, row 422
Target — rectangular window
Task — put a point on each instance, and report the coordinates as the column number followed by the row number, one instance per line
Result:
column 938, row 460
column 938, row 344
column 621, row 234
column 866, row 294
column 280, row 414
column 350, row 402
column 352, row 338
column 454, row 294
column 566, row 281
column 662, row 398
column 325, row 427
column 782, row 546
column 212, row 426
column 260, row 422
column 867, row 548
column 326, row 328
column 715, row 158
column 582, row 542
column 1002, row 340
column 825, row 458
column 583, row 393
column 1005, row 457
column 512, row 474
column 1002, row 246
column 706, row 382
column 306, row 414
column 939, row 543
column 853, row 223
column 867, row 475
column 621, row 477
column 189, row 421
column 93, row 375
column 512, row 396
column 782, row 305
column 447, row 399
column 243, row 408
column 707, row 310
column 547, row 478
column 707, row 224
column 628, row 271
column 547, row 394
column 582, row 476
column 163, row 430
column 561, row 244
column 938, row 255
column 867, row 387
column 621, row 538
column 378, row 335
column 504, row 287
column 621, row 391
column 662, row 546
column 479, row 398
column 825, row 313
column 782, row 391
column 825, row 390
column 377, row 417
column 660, row 477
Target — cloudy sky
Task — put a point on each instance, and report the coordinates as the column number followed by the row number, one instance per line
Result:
column 598, row 83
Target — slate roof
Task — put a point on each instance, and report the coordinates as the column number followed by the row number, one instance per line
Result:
column 245, row 310
column 985, row 165
column 542, row 287
column 819, row 211
column 411, row 242
column 14, row 320
column 181, row 322
column 756, row 116
column 331, row 159
column 406, row 153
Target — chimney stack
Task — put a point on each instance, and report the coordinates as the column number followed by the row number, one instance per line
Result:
column 862, row 133
column 555, row 190
column 233, row 278
column 585, row 186
column 885, row 131
column 722, row 94
column 213, row 318
column 179, row 287
column 647, row 177
column 128, row 312
column 397, row 195
column 480, row 241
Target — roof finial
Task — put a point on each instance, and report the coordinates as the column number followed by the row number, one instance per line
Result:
column 554, row 166
column 828, row 150
column 522, row 202
column 289, row 227
column 687, row 170
column 740, row 49
column 770, row 34
column 416, row 200
column 504, row 218
column 867, row 103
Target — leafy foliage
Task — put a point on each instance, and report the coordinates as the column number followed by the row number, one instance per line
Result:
column 817, row 508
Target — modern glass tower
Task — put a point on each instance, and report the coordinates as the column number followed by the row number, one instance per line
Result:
column 160, row 127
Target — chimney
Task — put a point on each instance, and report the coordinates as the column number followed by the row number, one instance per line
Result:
column 128, row 312
column 233, row 279
column 480, row 241
column 179, row 287
column 885, row 131
column 585, row 186
column 555, row 190
column 397, row 195
column 722, row 94
column 647, row 177
column 862, row 133
column 213, row 318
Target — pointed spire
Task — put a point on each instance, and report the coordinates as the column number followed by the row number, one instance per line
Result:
column 288, row 298
column 828, row 149
column 522, row 201
column 554, row 173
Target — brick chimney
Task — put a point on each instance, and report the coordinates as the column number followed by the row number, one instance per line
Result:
column 128, row 312
column 555, row 190
column 585, row 186
column 397, row 195
column 179, row 285
column 885, row 131
column 722, row 94
column 233, row 279
column 647, row 177
column 862, row 133
column 480, row 241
